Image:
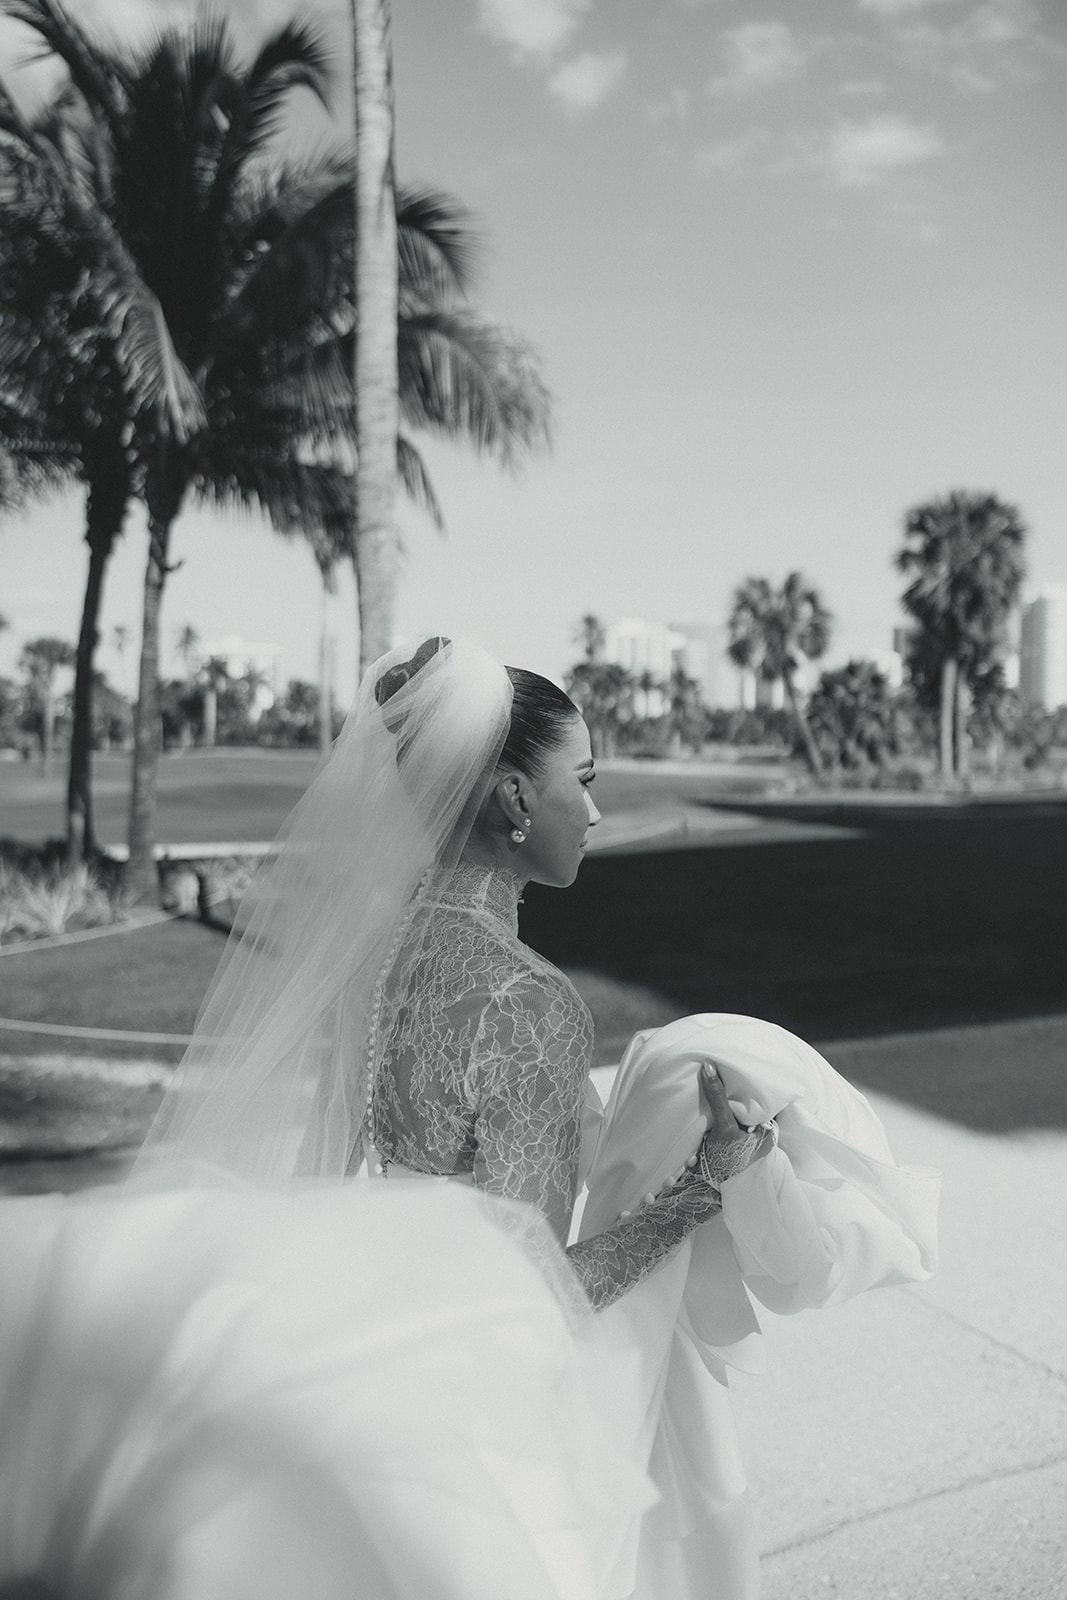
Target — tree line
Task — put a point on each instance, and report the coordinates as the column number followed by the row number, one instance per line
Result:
column 963, row 557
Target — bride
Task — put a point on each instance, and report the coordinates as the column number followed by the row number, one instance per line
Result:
column 497, row 1361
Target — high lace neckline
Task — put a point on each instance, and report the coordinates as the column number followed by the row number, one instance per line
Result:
column 493, row 890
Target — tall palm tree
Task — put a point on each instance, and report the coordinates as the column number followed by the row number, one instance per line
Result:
column 183, row 126
column 80, row 352
column 964, row 555
column 375, row 368
column 772, row 631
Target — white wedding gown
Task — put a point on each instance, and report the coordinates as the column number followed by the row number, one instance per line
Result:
column 397, row 1389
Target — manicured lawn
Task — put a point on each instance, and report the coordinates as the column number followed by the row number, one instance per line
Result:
column 222, row 795
column 204, row 796
column 151, row 980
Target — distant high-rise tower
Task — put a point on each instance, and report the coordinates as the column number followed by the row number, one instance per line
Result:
column 1043, row 648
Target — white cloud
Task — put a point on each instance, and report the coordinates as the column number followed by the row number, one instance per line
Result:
column 757, row 55
column 531, row 28
column 728, row 155
column 862, row 155
column 989, row 44
column 585, row 82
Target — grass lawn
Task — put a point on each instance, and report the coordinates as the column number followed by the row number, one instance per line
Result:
column 215, row 796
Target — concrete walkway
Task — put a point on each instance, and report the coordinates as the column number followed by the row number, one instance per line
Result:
column 913, row 1443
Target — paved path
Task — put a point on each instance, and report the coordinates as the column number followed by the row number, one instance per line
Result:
column 913, row 1444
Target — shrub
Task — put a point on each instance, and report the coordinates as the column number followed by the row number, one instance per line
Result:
column 40, row 897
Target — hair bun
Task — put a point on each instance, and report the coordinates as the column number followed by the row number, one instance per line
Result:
column 391, row 682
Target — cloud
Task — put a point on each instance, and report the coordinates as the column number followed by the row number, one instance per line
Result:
column 978, row 49
column 757, row 55
column 864, row 155
column 585, row 82
column 729, row 155
column 534, row 29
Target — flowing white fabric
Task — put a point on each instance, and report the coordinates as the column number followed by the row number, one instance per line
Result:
column 327, row 1392
column 821, row 1217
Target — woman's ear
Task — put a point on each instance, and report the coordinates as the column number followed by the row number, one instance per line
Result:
column 512, row 793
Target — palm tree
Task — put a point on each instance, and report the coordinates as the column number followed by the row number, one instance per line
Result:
column 852, row 716
column 686, row 716
column 592, row 636
column 964, row 554
column 40, row 660
column 81, row 347
column 376, row 380
column 246, row 395
column 603, row 691
column 772, row 631
column 182, row 199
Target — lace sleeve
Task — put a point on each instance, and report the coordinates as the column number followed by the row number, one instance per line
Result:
column 528, row 1069
column 527, row 1074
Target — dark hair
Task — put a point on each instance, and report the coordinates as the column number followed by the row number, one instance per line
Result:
column 540, row 712
column 541, row 715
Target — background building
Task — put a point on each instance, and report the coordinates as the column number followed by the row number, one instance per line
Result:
column 656, row 648
column 1043, row 648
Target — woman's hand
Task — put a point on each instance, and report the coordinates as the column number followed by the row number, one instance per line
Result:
column 728, row 1147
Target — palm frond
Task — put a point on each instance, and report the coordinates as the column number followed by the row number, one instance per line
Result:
column 416, row 481
column 463, row 377
column 98, row 74
column 437, row 243
column 294, row 57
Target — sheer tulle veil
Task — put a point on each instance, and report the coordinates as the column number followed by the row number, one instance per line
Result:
column 275, row 1082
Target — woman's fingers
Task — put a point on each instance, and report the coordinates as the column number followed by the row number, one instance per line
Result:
column 723, row 1121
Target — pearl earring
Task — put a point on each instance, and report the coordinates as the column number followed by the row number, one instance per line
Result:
column 517, row 834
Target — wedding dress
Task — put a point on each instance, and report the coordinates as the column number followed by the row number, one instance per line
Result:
column 356, row 1337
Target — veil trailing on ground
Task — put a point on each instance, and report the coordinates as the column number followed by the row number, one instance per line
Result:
column 274, row 1084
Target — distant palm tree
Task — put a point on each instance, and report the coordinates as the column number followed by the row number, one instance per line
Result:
column 851, row 715
column 214, row 675
column 964, row 555
column 40, row 660
column 591, row 635
column 686, row 714
column 603, row 691
column 772, row 631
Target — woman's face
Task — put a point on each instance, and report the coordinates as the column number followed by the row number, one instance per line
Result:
column 561, row 811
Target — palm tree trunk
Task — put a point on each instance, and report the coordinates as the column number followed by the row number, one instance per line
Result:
column 325, row 674
column 946, row 714
column 210, row 724
column 141, row 878
column 80, row 841
column 961, row 711
column 376, row 546
column 105, row 511
column 48, row 718
column 811, row 749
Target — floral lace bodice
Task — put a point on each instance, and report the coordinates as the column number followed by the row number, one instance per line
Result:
column 482, row 1065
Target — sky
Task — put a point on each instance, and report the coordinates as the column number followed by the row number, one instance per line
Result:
column 789, row 269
